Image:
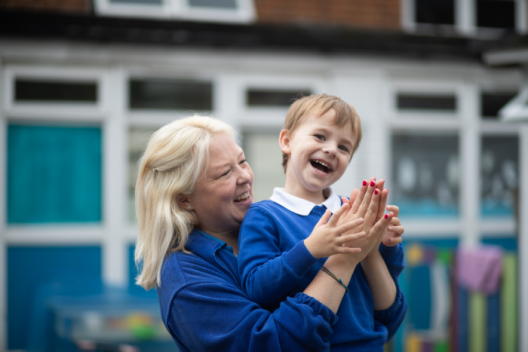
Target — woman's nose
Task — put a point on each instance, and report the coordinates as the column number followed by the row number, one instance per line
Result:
column 245, row 176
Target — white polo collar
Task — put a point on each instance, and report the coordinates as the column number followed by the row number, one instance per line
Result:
column 301, row 206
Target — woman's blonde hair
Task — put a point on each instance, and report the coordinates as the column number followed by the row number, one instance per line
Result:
column 171, row 164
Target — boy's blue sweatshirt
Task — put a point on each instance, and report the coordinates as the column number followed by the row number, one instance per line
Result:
column 275, row 264
column 204, row 307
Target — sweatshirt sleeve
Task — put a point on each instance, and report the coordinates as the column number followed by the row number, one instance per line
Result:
column 394, row 315
column 394, row 259
column 267, row 273
column 219, row 317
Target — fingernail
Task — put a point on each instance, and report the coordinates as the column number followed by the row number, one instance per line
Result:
column 364, row 183
column 361, row 220
column 389, row 228
column 363, row 233
column 372, row 183
column 376, row 192
column 386, row 216
column 387, row 190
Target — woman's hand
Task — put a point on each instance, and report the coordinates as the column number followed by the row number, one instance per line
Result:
column 329, row 236
column 360, row 204
column 392, row 235
column 373, row 228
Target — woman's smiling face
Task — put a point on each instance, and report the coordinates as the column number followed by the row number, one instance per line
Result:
column 224, row 192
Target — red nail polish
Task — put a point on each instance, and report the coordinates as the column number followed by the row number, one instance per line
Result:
column 387, row 190
column 372, row 183
column 376, row 192
column 386, row 216
column 364, row 183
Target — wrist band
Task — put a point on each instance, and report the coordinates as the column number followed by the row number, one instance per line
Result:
column 334, row 277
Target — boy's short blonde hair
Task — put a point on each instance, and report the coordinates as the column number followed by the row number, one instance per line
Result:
column 319, row 105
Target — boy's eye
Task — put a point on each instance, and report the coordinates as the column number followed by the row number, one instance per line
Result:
column 343, row 148
column 318, row 136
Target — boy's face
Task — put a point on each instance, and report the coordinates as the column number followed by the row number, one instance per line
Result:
column 319, row 153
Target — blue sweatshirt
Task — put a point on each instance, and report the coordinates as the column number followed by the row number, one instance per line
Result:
column 275, row 264
column 204, row 307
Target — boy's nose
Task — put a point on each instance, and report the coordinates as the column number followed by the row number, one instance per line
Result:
column 330, row 150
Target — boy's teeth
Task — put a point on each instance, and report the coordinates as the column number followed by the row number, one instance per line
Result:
column 320, row 162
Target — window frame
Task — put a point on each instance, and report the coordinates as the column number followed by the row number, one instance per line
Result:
column 55, row 111
column 465, row 20
column 256, row 116
column 179, row 9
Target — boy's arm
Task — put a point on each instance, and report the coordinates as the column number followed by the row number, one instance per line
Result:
column 391, row 248
column 389, row 303
column 267, row 274
column 393, row 317
column 394, row 259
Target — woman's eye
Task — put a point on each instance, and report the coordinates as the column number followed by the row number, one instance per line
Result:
column 243, row 161
column 320, row 137
column 225, row 174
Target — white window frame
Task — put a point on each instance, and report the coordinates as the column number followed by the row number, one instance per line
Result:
column 272, row 117
column 155, row 117
column 465, row 18
column 104, row 113
column 404, row 119
column 70, row 112
column 179, row 9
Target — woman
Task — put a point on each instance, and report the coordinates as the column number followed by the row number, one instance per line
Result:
column 193, row 191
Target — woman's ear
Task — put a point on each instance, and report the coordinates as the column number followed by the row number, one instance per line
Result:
column 284, row 141
column 183, row 202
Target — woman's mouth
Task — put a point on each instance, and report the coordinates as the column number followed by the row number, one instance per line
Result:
column 243, row 197
column 321, row 166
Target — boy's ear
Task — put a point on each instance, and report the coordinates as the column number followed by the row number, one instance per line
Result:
column 284, row 141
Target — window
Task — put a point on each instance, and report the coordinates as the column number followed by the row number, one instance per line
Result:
column 165, row 94
column 408, row 101
column 218, row 4
column 491, row 103
column 263, row 154
column 496, row 13
column 30, row 90
column 499, row 176
column 53, row 174
column 137, row 142
column 435, row 11
column 199, row 10
column 273, row 98
column 425, row 171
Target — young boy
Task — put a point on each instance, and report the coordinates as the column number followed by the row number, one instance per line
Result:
column 278, row 255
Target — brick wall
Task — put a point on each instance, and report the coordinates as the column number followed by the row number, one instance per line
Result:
column 369, row 14
column 75, row 6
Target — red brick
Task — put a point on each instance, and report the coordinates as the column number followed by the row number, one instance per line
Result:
column 76, row 6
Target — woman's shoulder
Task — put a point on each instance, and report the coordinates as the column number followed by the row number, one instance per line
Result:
column 182, row 267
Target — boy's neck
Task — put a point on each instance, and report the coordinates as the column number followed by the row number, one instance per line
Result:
column 314, row 197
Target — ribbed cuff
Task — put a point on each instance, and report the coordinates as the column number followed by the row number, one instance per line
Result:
column 390, row 251
column 387, row 315
column 318, row 308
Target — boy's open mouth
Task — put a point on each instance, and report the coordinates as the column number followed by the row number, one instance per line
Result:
column 321, row 166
